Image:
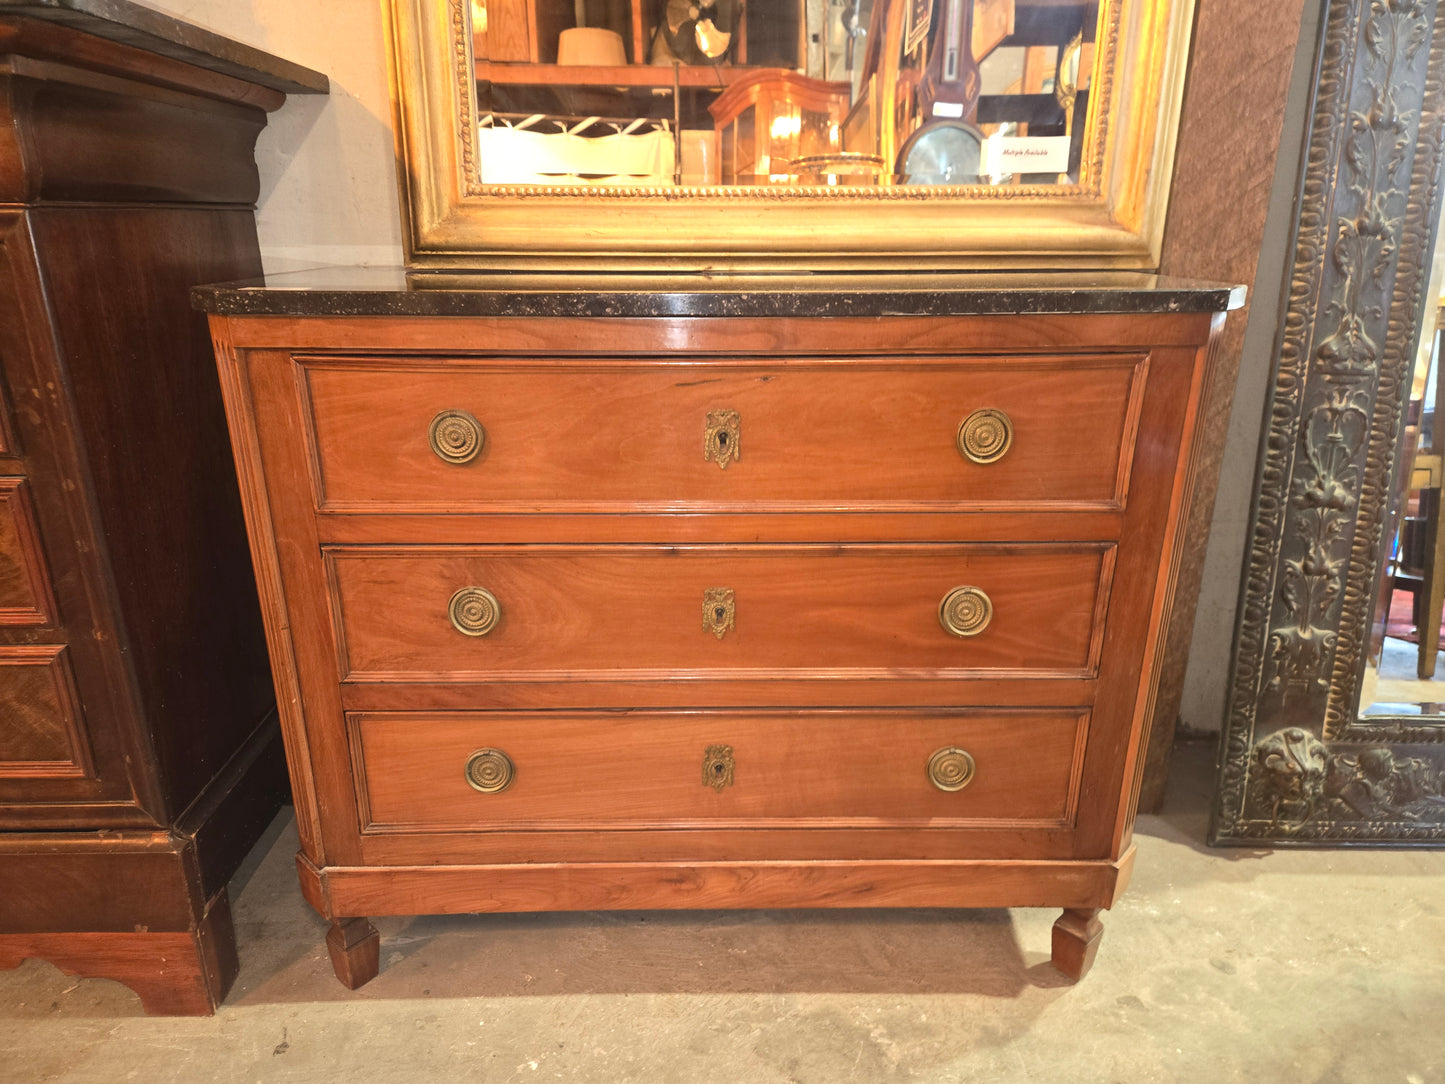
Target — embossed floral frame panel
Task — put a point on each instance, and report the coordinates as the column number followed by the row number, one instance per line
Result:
column 1298, row 765
column 1113, row 216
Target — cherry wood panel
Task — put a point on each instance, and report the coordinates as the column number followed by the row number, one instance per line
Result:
column 639, row 770
column 679, row 690
column 777, row 525
column 599, row 886
column 782, row 336
column 594, row 611
column 263, row 539
column 42, row 734
column 1144, row 578
column 25, row 597
column 261, row 413
column 1169, row 580
column 829, row 434
column 717, row 843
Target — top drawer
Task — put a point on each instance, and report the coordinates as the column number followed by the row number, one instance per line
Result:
column 668, row 435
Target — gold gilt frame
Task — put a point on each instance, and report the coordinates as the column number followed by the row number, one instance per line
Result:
column 1114, row 216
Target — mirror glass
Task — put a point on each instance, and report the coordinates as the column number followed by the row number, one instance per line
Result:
column 1405, row 667
column 782, row 92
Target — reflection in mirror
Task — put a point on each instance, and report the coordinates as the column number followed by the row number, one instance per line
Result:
column 1405, row 668
column 782, row 92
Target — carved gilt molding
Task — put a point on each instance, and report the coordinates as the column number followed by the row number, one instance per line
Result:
column 1297, row 764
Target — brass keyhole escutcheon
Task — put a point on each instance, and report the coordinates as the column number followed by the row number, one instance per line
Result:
column 965, row 611
column 717, row 767
column 719, row 611
column 474, row 611
column 456, row 437
column 489, row 771
column 951, row 768
column 985, row 435
column 722, row 437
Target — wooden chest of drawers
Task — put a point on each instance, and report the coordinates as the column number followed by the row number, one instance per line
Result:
column 575, row 612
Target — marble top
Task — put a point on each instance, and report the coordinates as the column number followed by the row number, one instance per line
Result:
column 145, row 28
column 352, row 291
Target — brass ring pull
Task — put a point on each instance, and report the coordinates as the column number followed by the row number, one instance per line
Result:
column 965, row 611
column 489, row 771
column 456, row 437
column 951, row 768
column 985, row 435
column 474, row 611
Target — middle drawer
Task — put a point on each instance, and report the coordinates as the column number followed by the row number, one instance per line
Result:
column 623, row 612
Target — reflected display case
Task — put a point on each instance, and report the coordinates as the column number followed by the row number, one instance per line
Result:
column 786, row 134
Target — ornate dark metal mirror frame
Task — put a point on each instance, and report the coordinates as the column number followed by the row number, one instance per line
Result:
column 1298, row 764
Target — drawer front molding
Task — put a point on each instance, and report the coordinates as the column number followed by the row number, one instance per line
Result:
column 588, row 435
column 25, row 594
column 987, row 768
column 42, row 734
column 630, row 612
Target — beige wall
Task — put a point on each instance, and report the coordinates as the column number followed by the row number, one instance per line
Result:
column 328, row 174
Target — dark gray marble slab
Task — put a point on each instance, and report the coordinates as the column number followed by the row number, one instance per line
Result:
column 350, row 291
column 145, row 28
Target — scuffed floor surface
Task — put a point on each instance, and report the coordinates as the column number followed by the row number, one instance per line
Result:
column 1218, row 965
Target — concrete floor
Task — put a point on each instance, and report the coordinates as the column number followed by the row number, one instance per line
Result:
column 1218, row 965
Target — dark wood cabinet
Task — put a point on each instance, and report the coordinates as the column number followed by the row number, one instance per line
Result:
column 139, row 752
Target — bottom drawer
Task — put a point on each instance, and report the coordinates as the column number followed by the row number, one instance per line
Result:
column 467, row 772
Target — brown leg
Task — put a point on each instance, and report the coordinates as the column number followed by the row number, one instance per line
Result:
column 1076, row 940
column 355, row 949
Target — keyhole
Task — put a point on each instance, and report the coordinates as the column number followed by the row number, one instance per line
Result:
column 722, row 440
column 719, row 614
column 717, row 769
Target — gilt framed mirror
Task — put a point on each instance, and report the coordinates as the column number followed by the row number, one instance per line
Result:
column 784, row 135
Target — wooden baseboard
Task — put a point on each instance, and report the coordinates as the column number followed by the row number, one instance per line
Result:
column 146, row 908
column 339, row 891
column 179, row 973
